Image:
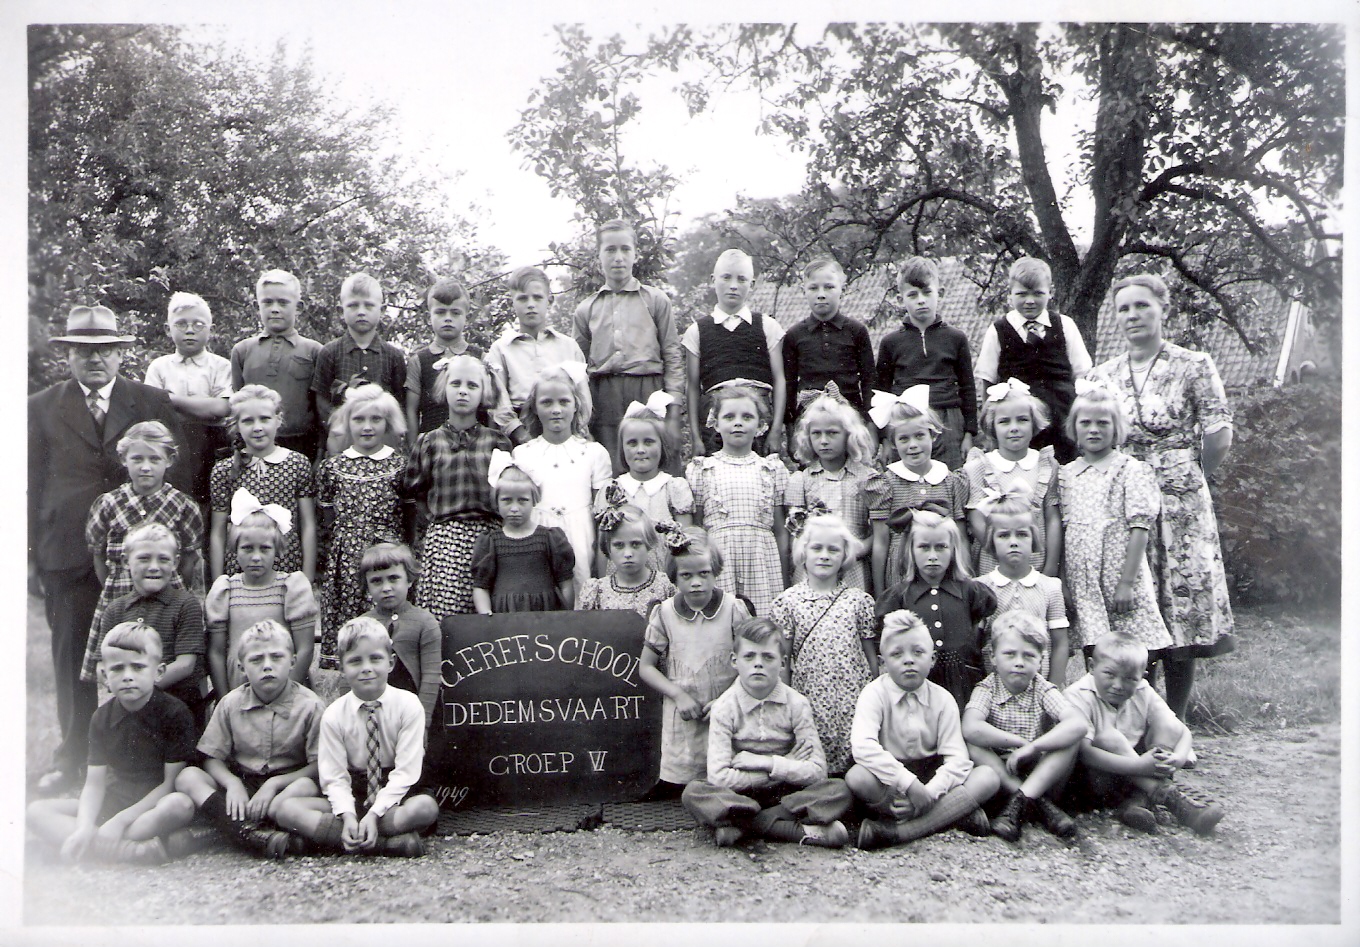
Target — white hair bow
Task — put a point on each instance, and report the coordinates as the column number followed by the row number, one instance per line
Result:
column 503, row 460
column 880, row 409
column 576, row 371
column 655, row 407
column 1085, row 387
column 1003, row 390
column 243, row 503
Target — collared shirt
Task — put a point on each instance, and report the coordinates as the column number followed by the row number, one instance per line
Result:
column 342, row 361
column 448, row 469
column 1040, row 595
column 1144, row 708
column 838, row 349
column 413, row 367
column 516, row 359
column 136, row 745
column 950, row 611
column 344, row 747
column 1021, row 714
column 937, row 356
column 892, row 725
column 630, row 331
column 265, row 739
column 989, row 353
column 103, row 395
column 284, row 363
column 205, row 375
column 774, row 332
column 177, row 617
column 779, row 725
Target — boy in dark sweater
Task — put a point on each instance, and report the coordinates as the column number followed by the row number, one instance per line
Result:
column 827, row 346
column 925, row 351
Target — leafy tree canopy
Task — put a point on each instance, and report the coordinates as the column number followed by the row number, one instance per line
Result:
column 157, row 163
column 1214, row 155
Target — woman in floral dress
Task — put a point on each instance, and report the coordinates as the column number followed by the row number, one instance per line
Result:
column 1179, row 424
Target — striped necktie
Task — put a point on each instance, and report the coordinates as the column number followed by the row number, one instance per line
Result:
column 96, row 412
column 374, row 768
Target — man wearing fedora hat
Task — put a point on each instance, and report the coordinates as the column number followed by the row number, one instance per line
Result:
column 73, row 432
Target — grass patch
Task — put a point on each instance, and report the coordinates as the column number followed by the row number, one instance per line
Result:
column 1286, row 672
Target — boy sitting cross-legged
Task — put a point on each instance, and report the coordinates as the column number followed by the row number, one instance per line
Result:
column 371, row 752
column 260, row 746
column 1018, row 723
column 766, row 770
column 139, row 742
column 911, row 764
column 1134, row 744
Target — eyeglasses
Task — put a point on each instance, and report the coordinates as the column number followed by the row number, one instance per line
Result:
column 97, row 351
column 196, row 324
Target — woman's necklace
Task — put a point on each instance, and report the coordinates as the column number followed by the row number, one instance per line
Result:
column 1146, row 372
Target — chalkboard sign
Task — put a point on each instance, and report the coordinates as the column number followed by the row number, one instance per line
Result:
column 543, row 708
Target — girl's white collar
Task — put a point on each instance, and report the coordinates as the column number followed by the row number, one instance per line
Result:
column 382, row 453
column 1028, row 462
column 651, row 487
column 935, row 476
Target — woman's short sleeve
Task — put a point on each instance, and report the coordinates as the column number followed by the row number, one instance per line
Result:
column 484, row 563
column 981, row 600
column 561, row 557
column 217, row 604
column 601, row 467
column 189, row 528
column 679, row 496
column 1206, row 390
column 878, row 496
column 97, row 524
column 219, row 482
column 781, row 478
column 958, row 495
column 299, row 602
column 656, row 637
column 1049, row 462
column 1142, row 498
column 301, row 472
column 973, row 474
column 862, row 614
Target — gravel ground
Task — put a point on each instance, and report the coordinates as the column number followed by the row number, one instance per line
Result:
column 1275, row 859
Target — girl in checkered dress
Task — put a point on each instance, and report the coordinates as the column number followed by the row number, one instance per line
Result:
column 447, row 475
column 147, row 450
column 739, row 497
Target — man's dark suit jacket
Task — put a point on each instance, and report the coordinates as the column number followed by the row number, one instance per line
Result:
column 69, row 465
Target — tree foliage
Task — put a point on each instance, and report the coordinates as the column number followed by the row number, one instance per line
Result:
column 573, row 135
column 1214, row 153
column 157, row 163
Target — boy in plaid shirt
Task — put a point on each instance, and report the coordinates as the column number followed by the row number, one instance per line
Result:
column 1017, row 721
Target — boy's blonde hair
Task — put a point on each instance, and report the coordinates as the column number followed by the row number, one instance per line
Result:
column 1124, row 650
column 1098, row 398
column 1026, row 627
column 899, row 623
column 859, row 446
column 265, row 630
column 361, row 284
column 179, row 302
column 136, row 636
column 361, row 396
column 521, row 279
column 278, row 278
column 824, row 262
column 611, row 226
column 148, row 533
column 727, row 256
column 854, row 546
column 1031, row 273
column 356, row 630
column 759, row 631
column 153, row 433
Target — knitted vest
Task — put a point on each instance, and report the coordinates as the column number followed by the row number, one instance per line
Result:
column 741, row 353
column 1042, row 364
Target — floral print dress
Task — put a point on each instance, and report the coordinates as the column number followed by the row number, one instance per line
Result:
column 1170, row 411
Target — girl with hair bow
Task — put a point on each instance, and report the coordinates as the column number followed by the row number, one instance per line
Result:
column 645, row 449
column 915, row 481
column 1011, row 418
column 235, row 602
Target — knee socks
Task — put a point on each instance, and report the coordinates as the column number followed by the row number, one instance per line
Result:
column 947, row 810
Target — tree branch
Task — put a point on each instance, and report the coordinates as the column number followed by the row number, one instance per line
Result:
column 1226, row 306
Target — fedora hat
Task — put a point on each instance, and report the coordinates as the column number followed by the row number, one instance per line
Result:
column 92, row 325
